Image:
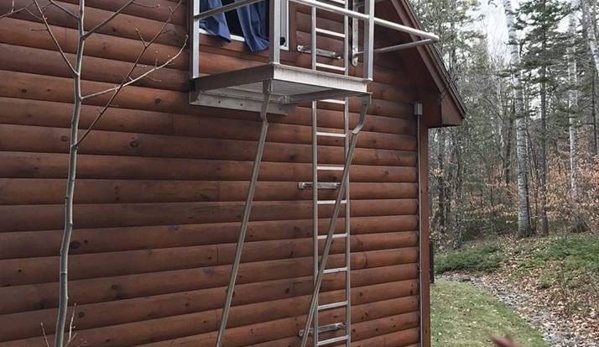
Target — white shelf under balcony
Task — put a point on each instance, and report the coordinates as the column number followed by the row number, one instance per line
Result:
column 243, row 89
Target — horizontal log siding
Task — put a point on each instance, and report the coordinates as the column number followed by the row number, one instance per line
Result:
column 161, row 189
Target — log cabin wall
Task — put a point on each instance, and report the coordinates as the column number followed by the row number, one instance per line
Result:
column 160, row 192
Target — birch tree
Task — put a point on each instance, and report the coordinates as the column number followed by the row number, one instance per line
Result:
column 589, row 29
column 524, row 225
column 138, row 71
column 573, row 106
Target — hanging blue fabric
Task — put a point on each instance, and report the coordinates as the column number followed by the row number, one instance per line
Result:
column 215, row 25
column 254, row 24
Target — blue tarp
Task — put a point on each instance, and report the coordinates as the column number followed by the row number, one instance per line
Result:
column 252, row 19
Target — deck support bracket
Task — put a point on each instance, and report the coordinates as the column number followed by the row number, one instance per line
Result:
column 267, row 89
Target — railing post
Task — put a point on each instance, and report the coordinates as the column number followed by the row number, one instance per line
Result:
column 275, row 31
column 194, row 39
column 368, row 38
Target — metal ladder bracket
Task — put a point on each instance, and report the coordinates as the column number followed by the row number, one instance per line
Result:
column 324, row 329
column 319, row 185
column 319, row 52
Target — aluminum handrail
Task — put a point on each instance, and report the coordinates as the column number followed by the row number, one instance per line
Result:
column 326, row 7
column 366, row 18
column 399, row 47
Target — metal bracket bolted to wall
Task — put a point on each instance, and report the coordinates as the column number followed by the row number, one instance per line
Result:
column 319, row 185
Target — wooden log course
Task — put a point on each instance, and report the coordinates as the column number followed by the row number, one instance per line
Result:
column 46, row 243
column 29, row 86
column 26, row 324
column 96, row 68
column 19, row 32
column 380, row 132
column 52, row 165
column 152, row 9
column 45, row 269
column 48, row 217
column 403, row 338
column 262, row 332
column 46, row 61
column 17, row 191
column 360, row 331
column 201, row 326
column 19, row 138
column 86, row 291
column 123, row 25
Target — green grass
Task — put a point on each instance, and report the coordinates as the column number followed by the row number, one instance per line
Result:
column 465, row 316
column 485, row 257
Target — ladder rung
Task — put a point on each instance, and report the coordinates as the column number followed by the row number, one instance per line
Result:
column 324, row 133
column 332, row 305
column 333, row 340
column 330, row 67
column 329, row 202
column 335, row 236
column 335, row 270
column 330, row 167
column 333, row 101
column 330, row 33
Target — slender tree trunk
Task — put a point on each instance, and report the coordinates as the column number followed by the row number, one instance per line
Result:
column 573, row 114
column 578, row 222
column 458, row 232
column 507, row 169
column 589, row 28
column 594, row 116
column 524, row 226
column 543, row 152
column 63, row 298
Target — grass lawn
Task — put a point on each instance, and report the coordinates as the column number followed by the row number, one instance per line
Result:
column 463, row 315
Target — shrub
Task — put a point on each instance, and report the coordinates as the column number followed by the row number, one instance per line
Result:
column 485, row 257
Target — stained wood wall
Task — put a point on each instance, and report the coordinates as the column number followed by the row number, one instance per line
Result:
column 161, row 189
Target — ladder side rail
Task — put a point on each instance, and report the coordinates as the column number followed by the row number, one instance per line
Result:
column 313, row 51
column 347, row 228
column 274, row 47
column 333, row 222
column 194, row 40
column 347, row 55
column 368, row 39
column 267, row 87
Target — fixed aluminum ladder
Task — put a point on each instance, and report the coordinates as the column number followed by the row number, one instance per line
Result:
column 320, row 259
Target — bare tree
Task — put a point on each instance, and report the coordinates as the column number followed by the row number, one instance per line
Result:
column 37, row 8
column 573, row 108
column 589, row 28
column 524, row 225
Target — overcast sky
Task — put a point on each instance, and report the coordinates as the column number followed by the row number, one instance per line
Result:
column 494, row 26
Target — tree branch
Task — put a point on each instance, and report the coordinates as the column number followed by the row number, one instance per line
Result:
column 112, row 16
column 66, row 10
column 128, row 80
column 13, row 11
column 56, row 43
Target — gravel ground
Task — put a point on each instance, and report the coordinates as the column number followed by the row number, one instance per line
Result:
column 557, row 330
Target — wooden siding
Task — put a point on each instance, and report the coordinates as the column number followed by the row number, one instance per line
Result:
column 161, row 190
